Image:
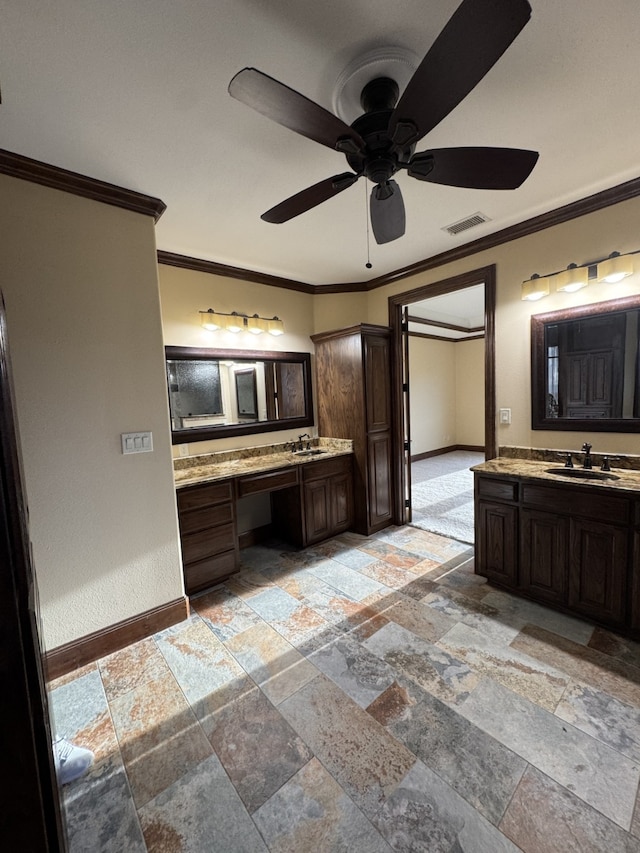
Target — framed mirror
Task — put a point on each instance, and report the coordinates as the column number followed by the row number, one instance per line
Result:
column 215, row 393
column 585, row 368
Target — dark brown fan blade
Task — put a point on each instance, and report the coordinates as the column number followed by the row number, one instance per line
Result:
column 291, row 109
column 387, row 212
column 474, row 39
column 475, row 168
column 312, row 196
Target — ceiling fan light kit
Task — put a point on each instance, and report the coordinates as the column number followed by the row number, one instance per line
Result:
column 381, row 141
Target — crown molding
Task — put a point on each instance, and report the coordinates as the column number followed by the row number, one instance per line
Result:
column 27, row 169
column 590, row 204
column 172, row 259
column 19, row 166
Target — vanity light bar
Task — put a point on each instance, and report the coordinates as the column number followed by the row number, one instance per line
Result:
column 535, row 288
column 234, row 322
column 574, row 277
column 615, row 268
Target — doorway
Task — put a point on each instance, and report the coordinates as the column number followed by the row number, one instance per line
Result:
column 399, row 321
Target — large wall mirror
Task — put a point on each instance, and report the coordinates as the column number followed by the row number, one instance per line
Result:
column 215, row 393
column 584, row 368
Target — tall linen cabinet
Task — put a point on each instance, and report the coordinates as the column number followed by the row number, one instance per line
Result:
column 353, row 387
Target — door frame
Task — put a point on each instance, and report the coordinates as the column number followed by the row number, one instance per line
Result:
column 481, row 275
column 32, row 818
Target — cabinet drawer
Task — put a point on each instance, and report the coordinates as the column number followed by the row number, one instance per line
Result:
column 256, row 483
column 208, row 495
column 326, row 468
column 205, row 543
column 502, row 490
column 207, row 572
column 208, row 516
column 590, row 504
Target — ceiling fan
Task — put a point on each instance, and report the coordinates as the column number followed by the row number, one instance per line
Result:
column 382, row 141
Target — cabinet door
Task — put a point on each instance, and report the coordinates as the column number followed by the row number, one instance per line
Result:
column 341, row 502
column 597, row 570
column 635, row 578
column 379, row 475
column 377, row 386
column 544, row 539
column 497, row 542
column 317, row 510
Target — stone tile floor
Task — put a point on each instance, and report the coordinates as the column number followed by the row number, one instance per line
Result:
column 362, row 695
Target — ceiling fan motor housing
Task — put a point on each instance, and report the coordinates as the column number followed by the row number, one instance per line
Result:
column 381, row 93
column 381, row 159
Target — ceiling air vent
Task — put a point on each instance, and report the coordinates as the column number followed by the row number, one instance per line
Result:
column 465, row 224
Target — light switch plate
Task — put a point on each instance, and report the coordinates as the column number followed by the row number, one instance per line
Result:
column 505, row 416
column 137, row 442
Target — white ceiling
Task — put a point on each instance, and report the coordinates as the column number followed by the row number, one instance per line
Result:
column 463, row 308
column 134, row 92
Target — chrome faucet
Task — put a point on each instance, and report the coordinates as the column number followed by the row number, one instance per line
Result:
column 586, row 462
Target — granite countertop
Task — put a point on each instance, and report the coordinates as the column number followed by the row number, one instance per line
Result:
column 627, row 480
column 210, row 467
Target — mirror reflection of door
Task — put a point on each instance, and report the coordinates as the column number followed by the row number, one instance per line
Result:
column 290, row 385
column 246, row 393
column 270, row 390
column 590, row 359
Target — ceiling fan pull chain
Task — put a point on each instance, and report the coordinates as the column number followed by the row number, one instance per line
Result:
column 368, row 265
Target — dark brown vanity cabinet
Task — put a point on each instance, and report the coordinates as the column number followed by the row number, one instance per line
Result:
column 207, row 518
column 321, row 507
column 563, row 546
column 327, row 498
column 309, row 502
column 353, row 376
column 496, row 530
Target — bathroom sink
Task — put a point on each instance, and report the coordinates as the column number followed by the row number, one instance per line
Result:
column 312, row 451
column 582, row 473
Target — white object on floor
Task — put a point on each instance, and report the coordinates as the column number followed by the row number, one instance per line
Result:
column 444, row 505
column 71, row 761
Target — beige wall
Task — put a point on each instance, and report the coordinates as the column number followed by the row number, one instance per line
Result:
column 83, row 314
column 446, row 393
column 339, row 311
column 432, row 394
column 470, row 393
column 581, row 240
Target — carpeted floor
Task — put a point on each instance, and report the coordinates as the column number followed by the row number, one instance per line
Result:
column 442, row 494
